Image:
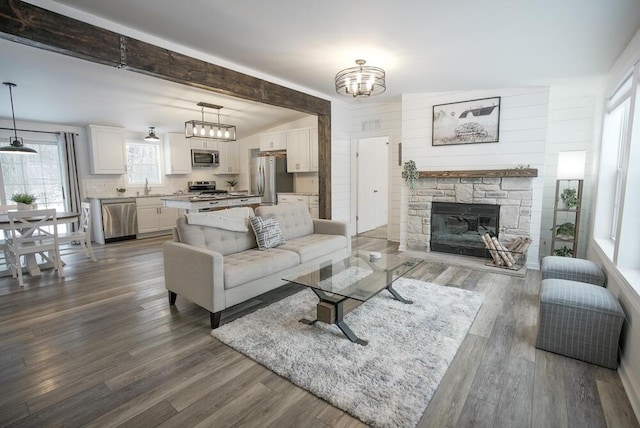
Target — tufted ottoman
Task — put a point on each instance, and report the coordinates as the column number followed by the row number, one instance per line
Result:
column 572, row 269
column 579, row 320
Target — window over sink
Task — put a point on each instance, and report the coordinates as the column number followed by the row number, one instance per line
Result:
column 143, row 162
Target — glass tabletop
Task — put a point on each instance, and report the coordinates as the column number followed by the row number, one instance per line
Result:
column 358, row 277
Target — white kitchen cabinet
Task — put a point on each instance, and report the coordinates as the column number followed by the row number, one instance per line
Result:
column 177, row 154
column 313, row 151
column 107, row 149
column 273, row 141
column 229, row 158
column 203, row 144
column 312, row 201
column 153, row 216
column 298, row 151
column 314, row 206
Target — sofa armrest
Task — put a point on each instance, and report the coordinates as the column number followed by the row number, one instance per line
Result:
column 196, row 274
column 332, row 227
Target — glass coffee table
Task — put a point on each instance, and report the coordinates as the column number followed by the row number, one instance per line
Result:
column 344, row 285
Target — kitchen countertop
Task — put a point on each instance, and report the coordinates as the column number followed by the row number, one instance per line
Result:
column 298, row 193
column 213, row 197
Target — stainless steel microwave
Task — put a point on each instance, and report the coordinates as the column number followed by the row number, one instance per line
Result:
column 205, row 157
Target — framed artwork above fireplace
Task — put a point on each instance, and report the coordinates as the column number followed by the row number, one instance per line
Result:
column 466, row 122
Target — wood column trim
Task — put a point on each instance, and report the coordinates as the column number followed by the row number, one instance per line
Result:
column 27, row 24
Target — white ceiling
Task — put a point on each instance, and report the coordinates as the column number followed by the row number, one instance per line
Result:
column 423, row 45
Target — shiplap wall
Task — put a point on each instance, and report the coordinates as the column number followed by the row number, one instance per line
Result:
column 523, row 134
column 575, row 112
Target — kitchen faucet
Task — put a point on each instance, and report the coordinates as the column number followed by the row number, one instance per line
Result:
column 147, row 189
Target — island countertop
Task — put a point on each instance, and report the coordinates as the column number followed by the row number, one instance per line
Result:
column 194, row 203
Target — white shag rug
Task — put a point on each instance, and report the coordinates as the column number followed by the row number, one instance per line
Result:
column 387, row 383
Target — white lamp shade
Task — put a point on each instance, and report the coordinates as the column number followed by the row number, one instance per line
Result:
column 571, row 165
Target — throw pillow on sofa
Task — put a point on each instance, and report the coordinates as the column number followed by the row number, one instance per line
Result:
column 267, row 230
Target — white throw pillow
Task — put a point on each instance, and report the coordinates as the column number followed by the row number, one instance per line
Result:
column 267, row 230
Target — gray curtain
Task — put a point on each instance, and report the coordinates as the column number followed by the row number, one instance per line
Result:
column 71, row 172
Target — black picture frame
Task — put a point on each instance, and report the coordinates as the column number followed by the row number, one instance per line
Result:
column 466, row 122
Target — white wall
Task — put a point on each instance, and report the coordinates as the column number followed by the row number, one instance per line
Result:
column 575, row 109
column 523, row 134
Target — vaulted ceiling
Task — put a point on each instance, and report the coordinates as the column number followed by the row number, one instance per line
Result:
column 423, row 46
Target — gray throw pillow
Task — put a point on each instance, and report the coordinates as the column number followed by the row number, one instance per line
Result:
column 267, row 230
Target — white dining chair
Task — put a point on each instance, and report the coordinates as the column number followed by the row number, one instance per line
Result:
column 82, row 236
column 4, row 254
column 33, row 232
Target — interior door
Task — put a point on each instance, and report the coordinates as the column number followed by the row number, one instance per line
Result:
column 373, row 179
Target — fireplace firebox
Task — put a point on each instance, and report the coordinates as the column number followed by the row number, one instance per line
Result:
column 458, row 228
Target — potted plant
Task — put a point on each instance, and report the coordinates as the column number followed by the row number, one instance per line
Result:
column 232, row 184
column 566, row 230
column 563, row 252
column 25, row 201
column 410, row 174
column 570, row 198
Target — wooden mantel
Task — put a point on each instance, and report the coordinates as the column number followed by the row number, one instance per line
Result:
column 515, row 172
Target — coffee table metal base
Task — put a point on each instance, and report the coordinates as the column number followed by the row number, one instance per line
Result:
column 337, row 303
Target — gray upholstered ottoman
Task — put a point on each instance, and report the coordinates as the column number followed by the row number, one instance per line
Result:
column 579, row 320
column 572, row 269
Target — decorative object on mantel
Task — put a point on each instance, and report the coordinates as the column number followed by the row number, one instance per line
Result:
column 16, row 144
column 410, row 174
column 25, row 201
column 512, row 256
column 360, row 81
column 466, row 122
column 515, row 172
column 152, row 137
column 120, row 190
column 209, row 130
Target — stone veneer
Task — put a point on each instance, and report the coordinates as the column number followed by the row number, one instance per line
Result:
column 513, row 194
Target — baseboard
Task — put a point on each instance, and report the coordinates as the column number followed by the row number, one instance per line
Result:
column 630, row 385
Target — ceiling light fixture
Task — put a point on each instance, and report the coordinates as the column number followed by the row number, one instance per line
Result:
column 16, row 145
column 211, row 130
column 152, row 135
column 360, row 81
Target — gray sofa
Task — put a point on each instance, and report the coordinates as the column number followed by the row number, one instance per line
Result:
column 217, row 268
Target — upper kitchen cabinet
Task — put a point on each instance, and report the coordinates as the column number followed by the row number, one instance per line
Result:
column 273, row 141
column 107, row 149
column 203, row 144
column 229, row 158
column 177, row 154
column 302, row 150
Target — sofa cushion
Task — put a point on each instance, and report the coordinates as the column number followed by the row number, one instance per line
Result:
column 267, row 230
column 312, row 246
column 295, row 219
column 211, row 238
column 254, row 264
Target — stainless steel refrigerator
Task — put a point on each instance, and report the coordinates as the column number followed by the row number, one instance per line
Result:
column 269, row 176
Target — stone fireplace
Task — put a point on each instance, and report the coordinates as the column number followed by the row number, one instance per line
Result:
column 510, row 196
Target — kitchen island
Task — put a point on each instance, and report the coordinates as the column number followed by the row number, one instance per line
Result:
column 199, row 203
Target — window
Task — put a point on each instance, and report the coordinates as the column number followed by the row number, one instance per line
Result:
column 143, row 163
column 616, row 123
column 40, row 174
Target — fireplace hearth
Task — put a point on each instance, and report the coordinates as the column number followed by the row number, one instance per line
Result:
column 458, row 228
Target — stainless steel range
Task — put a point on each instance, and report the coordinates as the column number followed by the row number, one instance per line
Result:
column 204, row 188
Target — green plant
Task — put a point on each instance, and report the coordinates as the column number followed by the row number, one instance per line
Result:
column 569, row 197
column 23, row 198
column 566, row 229
column 410, row 174
column 563, row 252
column 120, row 189
column 232, row 183
column 521, row 166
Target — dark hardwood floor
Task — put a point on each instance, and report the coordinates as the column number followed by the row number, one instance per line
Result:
column 103, row 348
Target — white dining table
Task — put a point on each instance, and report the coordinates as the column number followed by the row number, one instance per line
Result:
column 63, row 217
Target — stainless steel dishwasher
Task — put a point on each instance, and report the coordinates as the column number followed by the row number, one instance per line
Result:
column 119, row 219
